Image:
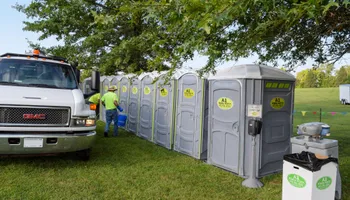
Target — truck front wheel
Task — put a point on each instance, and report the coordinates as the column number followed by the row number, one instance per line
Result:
column 83, row 154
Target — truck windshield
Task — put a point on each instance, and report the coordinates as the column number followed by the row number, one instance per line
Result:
column 36, row 74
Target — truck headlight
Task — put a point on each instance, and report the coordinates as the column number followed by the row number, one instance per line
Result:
column 84, row 122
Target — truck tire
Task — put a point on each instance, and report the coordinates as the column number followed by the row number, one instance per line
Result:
column 83, row 154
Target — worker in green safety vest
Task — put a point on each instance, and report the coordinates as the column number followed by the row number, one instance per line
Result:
column 95, row 99
column 110, row 101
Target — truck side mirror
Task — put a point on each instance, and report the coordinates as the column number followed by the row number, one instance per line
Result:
column 95, row 81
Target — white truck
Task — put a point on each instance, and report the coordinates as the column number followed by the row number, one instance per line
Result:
column 42, row 109
column 344, row 94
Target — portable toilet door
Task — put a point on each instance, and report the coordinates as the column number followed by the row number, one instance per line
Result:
column 104, row 88
column 124, row 94
column 164, row 112
column 147, row 101
column 242, row 93
column 133, row 103
column 190, row 134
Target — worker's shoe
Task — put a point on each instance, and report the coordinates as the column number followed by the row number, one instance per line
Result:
column 106, row 134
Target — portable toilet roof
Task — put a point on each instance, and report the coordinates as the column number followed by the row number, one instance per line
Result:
column 153, row 74
column 251, row 71
column 129, row 75
column 110, row 77
column 103, row 78
column 180, row 72
column 117, row 78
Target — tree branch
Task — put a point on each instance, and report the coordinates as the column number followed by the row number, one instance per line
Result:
column 93, row 2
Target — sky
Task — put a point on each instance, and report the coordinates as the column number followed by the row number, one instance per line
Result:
column 13, row 39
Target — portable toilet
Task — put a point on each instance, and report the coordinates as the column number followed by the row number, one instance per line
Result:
column 105, row 82
column 344, row 94
column 147, row 104
column 115, row 80
column 133, row 103
column 86, row 86
column 123, row 93
column 164, row 112
column 239, row 94
column 190, row 132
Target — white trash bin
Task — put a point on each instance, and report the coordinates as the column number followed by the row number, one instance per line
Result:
column 306, row 177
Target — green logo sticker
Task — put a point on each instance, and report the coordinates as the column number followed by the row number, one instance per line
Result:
column 323, row 183
column 147, row 90
column 296, row 180
column 134, row 90
column 225, row 103
column 163, row 92
column 124, row 89
column 277, row 103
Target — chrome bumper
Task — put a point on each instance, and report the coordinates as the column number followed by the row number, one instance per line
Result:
column 65, row 143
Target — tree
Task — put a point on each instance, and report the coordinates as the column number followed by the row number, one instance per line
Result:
column 146, row 34
column 310, row 79
column 291, row 30
column 300, row 78
column 99, row 33
column 342, row 76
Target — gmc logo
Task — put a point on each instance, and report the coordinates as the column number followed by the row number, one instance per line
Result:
column 34, row 116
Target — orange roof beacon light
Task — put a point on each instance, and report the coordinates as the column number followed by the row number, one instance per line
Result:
column 93, row 106
column 36, row 52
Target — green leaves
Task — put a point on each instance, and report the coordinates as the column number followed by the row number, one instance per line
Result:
column 329, row 5
column 145, row 35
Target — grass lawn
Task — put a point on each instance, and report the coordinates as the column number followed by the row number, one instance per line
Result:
column 128, row 167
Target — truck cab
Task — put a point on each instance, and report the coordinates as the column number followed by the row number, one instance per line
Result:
column 42, row 109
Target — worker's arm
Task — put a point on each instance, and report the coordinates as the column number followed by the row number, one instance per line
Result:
column 116, row 99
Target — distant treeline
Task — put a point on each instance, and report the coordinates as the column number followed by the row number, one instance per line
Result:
column 323, row 77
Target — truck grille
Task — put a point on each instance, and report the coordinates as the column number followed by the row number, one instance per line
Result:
column 34, row 116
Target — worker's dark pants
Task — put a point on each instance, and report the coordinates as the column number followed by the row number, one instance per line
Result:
column 111, row 115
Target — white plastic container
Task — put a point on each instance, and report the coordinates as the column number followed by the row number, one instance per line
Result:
column 300, row 183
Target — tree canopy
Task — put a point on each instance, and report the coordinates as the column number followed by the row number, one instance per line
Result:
column 323, row 77
column 97, row 34
column 148, row 34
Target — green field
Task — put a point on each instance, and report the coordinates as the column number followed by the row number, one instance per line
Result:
column 128, row 167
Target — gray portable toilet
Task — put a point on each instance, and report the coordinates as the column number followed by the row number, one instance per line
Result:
column 123, row 93
column 147, row 104
column 164, row 112
column 238, row 94
column 86, row 86
column 133, row 103
column 190, row 132
column 105, row 82
column 115, row 81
